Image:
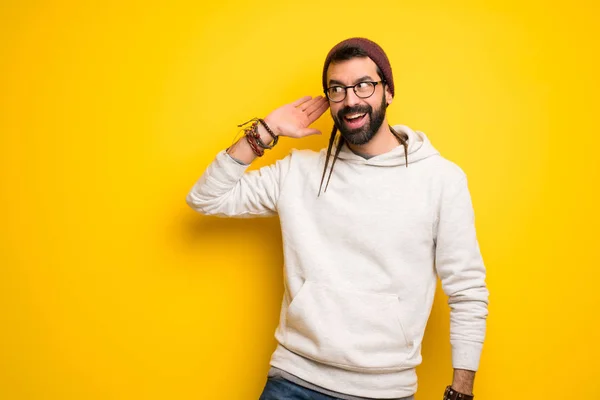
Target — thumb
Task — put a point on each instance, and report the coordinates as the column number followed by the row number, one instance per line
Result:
column 309, row 131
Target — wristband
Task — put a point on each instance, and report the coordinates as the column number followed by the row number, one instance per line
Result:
column 451, row 394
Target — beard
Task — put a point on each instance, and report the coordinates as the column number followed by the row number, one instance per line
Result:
column 366, row 132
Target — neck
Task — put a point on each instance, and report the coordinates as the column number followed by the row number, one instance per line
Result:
column 381, row 143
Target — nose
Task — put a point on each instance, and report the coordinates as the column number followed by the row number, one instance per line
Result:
column 351, row 98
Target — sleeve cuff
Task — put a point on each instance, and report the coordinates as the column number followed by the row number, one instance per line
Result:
column 234, row 159
column 466, row 354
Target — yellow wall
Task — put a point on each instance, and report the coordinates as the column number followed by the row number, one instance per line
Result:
column 111, row 288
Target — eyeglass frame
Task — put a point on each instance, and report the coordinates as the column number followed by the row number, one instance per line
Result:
column 374, row 83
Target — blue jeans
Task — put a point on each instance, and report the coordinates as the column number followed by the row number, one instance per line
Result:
column 278, row 388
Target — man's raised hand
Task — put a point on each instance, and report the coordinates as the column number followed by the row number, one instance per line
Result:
column 294, row 119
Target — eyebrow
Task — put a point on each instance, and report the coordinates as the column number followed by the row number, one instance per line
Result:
column 364, row 78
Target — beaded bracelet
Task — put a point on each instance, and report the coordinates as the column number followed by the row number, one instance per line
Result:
column 273, row 135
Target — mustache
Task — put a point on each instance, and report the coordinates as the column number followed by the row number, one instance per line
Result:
column 361, row 109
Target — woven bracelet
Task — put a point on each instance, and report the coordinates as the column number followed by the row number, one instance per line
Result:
column 254, row 146
column 253, row 138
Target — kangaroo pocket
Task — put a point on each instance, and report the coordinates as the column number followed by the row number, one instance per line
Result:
column 350, row 329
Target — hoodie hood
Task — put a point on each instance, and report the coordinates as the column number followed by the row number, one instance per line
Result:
column 419, row 148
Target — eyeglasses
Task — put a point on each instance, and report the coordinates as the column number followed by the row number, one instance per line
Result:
column 363, row 90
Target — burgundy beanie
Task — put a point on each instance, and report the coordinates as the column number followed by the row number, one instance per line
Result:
column 373, row 50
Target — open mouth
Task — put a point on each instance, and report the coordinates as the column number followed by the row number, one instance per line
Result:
column 355, row 120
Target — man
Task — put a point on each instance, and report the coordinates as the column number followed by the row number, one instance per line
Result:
column 366, row 225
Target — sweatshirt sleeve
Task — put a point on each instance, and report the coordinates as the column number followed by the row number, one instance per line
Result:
column 462, row 272
column 225, row 189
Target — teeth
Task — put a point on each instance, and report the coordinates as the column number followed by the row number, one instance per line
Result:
column 354, row 116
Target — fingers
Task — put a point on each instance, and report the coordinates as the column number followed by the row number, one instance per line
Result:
column 307, row 102
column 313, row 105
column 318, row 111
column 301, row 101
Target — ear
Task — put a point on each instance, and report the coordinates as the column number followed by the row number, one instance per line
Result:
column 388, row 95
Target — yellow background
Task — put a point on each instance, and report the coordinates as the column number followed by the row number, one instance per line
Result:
column 112, row 288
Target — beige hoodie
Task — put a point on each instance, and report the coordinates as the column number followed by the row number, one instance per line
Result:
column 360, row 261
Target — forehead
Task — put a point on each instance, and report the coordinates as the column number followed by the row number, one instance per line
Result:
column 350, row 70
